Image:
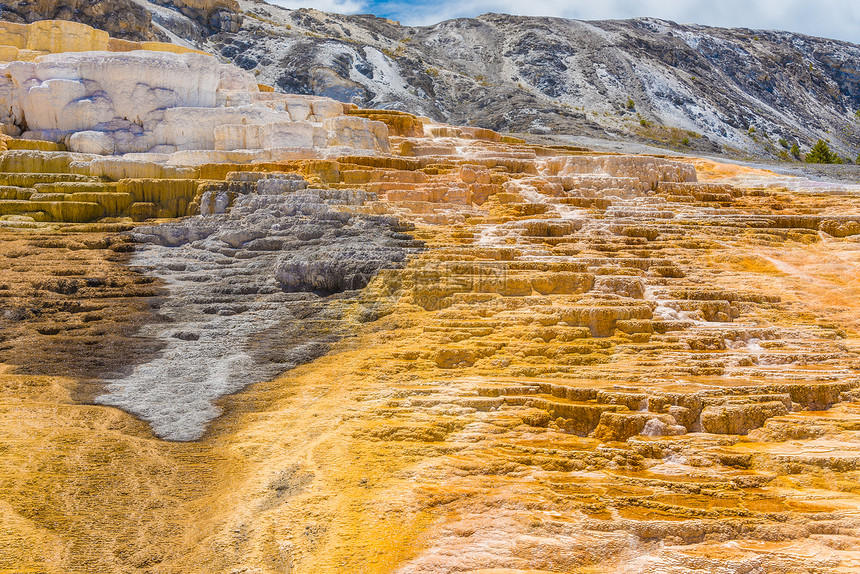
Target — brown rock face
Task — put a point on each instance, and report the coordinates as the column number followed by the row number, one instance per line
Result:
column 211, row 15
column 135, row 23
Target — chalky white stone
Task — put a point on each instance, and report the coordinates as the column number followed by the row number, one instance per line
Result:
column 141, row 101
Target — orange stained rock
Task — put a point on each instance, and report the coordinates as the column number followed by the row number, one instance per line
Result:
column 585, row 370
column 28, row 41
column 399, row 123
column 712, row 170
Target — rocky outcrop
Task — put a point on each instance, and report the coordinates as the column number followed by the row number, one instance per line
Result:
column 681, row 86
column 684, row 86
column 26, row 42
column 140, row 21
column 135, row 23
column 156, row 102
column 333, row 269
column 211, row 15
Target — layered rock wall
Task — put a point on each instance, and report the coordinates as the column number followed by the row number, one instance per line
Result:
column 408, row 346
column 139, row 21
column 154, row 101
column 212, row 15
column 135, row 23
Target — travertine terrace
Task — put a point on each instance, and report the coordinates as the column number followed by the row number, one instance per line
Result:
column 244, row 331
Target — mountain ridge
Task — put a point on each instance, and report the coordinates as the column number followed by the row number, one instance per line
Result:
column 689, row 87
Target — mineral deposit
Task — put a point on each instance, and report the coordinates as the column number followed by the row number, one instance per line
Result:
column 245, row 331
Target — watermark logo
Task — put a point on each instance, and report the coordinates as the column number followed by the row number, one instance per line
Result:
column 436, row 285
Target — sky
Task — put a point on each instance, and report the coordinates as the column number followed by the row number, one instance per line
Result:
column 839, row 19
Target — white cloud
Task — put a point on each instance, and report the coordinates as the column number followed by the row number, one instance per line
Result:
column 338, row 6
column 829, row 18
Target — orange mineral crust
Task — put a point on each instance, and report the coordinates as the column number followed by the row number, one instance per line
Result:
column 449, row 352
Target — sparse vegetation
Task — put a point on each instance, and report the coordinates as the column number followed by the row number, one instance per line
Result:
column 432, row 72
column 821, row 153
column 795, row 151
column 784, row 143
column 666, row 135
column 631, row 105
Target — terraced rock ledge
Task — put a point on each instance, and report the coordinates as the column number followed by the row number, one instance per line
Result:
column 297, row 336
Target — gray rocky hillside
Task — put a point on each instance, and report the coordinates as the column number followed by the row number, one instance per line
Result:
column 683, row 86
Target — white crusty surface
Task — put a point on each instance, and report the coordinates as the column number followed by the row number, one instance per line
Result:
column 142, row 101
